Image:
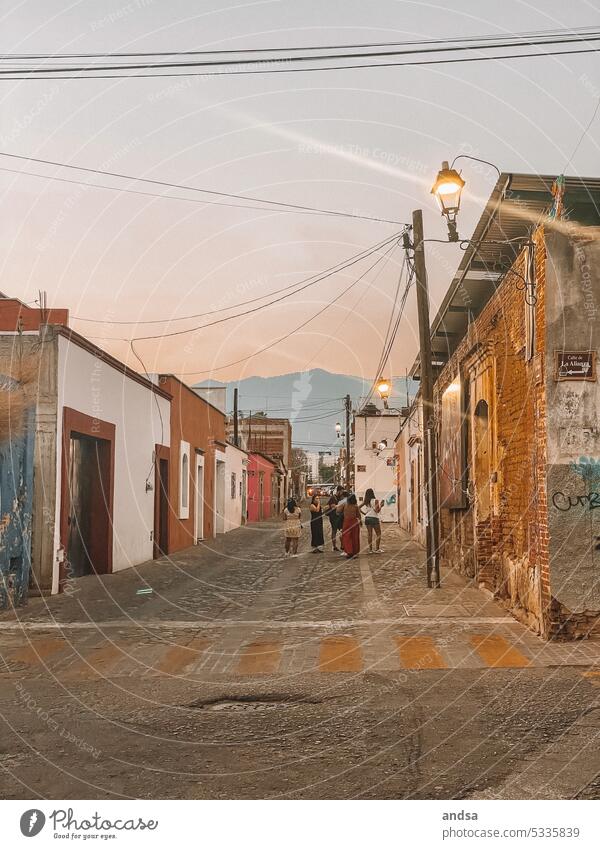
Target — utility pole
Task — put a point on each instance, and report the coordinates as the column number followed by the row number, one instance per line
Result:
column 236, row 435
column 348, row 405
column 429, row 447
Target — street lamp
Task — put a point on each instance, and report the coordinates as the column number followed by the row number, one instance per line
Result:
column 447, row 190
column 384, row 388
column 338, row 429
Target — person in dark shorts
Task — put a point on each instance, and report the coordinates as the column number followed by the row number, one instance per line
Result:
column 334, row 519
column 370, row 508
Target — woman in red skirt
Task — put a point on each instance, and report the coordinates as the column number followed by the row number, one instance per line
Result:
column 351, row 527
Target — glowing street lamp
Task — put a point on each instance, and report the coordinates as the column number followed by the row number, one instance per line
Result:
column 447, row 190
column 338, row 428
column 384, row 389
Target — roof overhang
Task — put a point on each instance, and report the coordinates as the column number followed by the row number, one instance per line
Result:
column 517, row 205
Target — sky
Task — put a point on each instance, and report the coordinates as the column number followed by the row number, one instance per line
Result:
column 366, row 141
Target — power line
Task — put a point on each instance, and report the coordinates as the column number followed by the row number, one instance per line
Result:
column 215, row 192
column 358, row 66
column 297, row 287
column 296, row 329
column 353, row 46
column 203, row 201
column 278, row 300
column 583, row 134
column 343, row 53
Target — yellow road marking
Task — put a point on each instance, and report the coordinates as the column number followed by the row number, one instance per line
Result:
column 419, row 653
column 495, row 651
column 95, row 663
column 176, row 658
column 261, row 657
column 37, row 650
column 594, row 674
column 340, row 654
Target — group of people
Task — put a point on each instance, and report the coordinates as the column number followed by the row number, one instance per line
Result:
column 346, row 516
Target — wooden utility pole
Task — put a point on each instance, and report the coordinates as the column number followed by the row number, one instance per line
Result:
column 348, row 405
column 236, row 434
column 429, row 446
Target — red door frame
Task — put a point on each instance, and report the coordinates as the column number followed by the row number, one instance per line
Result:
column 75, row 422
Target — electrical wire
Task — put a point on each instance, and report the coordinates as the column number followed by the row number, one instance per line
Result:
column 215, row 192
column 389, row 342
column 348, row 53
column 297, row 287
column 324, row 276
column 203, row 201
column 292, row 332
column 584, row 133
column 302, row 70
column 354, row 46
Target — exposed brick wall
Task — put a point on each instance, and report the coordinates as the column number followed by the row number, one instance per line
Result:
column 507, row 550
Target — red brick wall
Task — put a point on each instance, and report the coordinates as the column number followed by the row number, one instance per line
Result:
column 508, row 551
column 195, row 421
column 14, row 314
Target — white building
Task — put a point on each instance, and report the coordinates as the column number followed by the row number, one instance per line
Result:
column 373, row 452
column 111, row 425
column 412, row 508
column 236, row 487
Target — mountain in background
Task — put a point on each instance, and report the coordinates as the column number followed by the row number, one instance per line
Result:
column 313, row 401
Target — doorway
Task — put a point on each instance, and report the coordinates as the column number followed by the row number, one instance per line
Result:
column 87, row 472
column 481, row 459
column 261, row 496
column 161, row 501
column 199, row 514
column 244, row 489
column 219, row 493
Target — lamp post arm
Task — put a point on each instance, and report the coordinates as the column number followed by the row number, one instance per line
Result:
column 476, row 159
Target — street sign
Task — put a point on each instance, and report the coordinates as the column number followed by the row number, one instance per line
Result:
column 575, row 365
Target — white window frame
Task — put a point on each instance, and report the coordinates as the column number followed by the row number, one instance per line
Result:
column 184, row 485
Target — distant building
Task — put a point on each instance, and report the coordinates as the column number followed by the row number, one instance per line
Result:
column 213, row 392
column 262, row 487
column 374, row 433
column 236, row 487
column 272, row 438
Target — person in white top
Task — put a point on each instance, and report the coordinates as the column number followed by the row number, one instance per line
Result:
column 370, row 507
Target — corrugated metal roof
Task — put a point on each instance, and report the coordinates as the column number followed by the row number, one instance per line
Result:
column 517, row 204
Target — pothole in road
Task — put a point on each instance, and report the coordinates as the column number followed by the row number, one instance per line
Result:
column 253, row 703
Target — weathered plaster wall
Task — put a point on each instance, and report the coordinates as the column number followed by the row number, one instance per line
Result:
column 573, row 324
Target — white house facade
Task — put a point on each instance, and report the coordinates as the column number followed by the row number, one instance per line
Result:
column 374, row 458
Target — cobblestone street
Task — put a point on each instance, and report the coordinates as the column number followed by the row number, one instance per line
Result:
column 245, row 674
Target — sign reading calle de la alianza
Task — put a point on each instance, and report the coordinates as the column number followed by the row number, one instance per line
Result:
column 575, row 365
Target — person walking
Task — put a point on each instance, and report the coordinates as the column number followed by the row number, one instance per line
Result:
column 317, row 539
column 292, row 517
column 371, row 507
column 334, row 518
column 352, row 522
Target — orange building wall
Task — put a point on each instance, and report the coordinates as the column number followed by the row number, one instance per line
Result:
column 195, row 421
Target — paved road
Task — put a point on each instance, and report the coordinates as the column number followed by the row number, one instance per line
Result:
column 246, row 675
